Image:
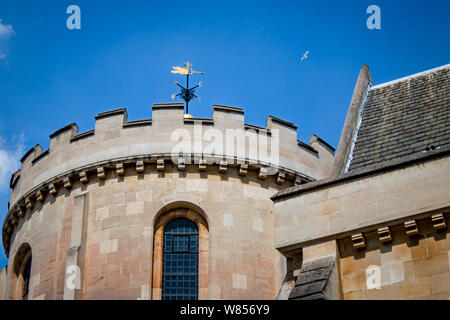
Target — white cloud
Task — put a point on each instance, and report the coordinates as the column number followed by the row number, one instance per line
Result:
column 10, row 155
column 6, row 30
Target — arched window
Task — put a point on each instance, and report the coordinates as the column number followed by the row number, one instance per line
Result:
column 26, row 279
column 180, row 261
column 20, row 281
column 166, row 227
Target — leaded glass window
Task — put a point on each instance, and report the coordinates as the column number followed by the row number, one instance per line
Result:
column 26, row 280
column 180, row 261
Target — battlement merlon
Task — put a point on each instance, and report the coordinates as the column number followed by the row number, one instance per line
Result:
column 115, row 138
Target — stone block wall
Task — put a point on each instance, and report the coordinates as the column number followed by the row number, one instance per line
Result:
column 366, row 200
column 3, row 278
column 91, row 200
column 243, row 262
column 390, row 226
column 416, row 267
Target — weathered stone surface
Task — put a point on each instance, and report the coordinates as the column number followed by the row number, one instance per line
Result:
column 3, row 284
column 313, row 277
column 308, row 289
column 316, row 264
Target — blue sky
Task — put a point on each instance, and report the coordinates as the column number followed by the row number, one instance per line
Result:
column 250, row 50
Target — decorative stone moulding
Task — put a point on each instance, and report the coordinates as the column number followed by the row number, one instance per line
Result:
column 67, row 183
column 280, row 177
column 13, row 221
column 52, row 189
column 202, row 165
column 384, row 234
column 243, row 169
column 223, row 167
column 181, row 164
column 160, row 164
column 438, row 221
column 84, row 177
column 262, row 174
column 28, row 204
column 101, row 173
column 411, row 228
column 358, row 241
column 140, row 166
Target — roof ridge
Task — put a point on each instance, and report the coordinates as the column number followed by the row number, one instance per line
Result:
column 413, row 76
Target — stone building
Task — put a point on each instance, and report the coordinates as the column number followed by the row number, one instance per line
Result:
column 137, row 210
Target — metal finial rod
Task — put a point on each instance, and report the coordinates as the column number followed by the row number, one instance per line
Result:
column 187, row 86
column 186, row 93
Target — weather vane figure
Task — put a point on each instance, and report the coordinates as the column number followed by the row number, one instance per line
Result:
column 186, row 93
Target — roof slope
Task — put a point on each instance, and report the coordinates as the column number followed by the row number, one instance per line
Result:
column 313, row 279
column 404, row 117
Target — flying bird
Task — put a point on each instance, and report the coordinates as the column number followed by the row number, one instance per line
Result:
column 304, row 56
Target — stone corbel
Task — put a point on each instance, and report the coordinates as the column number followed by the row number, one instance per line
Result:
column 20, row 212
column 281, row 176
column 223, row 167
column 411, row 228
column 28, row 204
column 160, row 164
column 101, row 173
column 358, row 241
column 202, row 165
column 67, row 183
column 438, row 221
column 120, row 169
column 384, row 235
column 40, row 196
column 262, row 174
column 52, row 189
column 243, row 169
column 13, row 221
column 140, row 168
column 84, row 177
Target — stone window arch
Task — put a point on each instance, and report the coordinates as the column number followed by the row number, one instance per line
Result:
column 21, row 273
column 163, row 219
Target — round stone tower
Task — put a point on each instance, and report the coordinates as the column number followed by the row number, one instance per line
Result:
column 168, row 208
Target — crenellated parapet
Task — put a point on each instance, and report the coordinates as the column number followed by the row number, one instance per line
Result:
column 225, row 141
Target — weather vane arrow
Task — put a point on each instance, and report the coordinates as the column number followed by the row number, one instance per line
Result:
column 186, row 93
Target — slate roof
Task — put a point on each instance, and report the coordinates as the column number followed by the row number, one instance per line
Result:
column 404, row 117
column 312, row 280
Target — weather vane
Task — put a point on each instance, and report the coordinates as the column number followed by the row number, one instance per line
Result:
column 186, row 93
